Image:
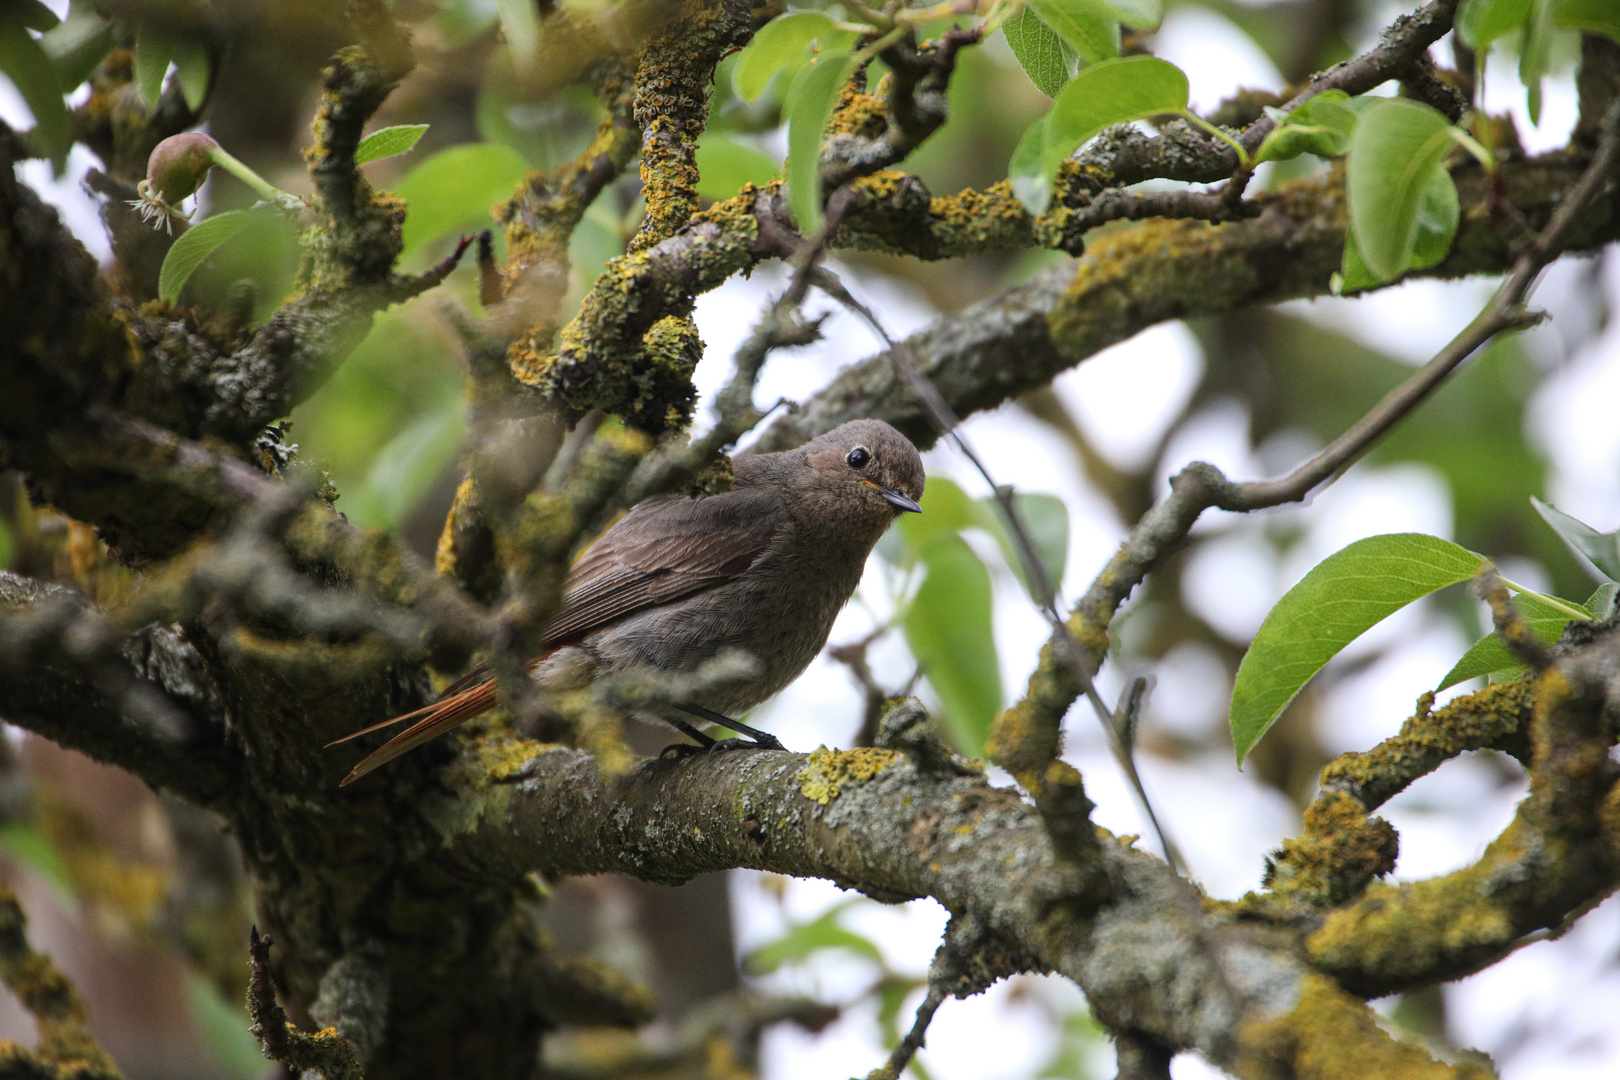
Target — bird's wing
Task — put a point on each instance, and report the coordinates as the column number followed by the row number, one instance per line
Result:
column 665, row 549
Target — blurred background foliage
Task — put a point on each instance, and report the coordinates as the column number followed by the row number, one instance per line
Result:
column 144, row 901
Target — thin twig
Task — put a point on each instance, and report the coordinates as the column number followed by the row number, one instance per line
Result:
column 1200, row 485
column 946, row 420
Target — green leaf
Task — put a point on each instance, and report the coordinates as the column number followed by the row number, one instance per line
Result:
column 27, row 846
column 948, row 629
column 154, row 48
column 1438, row 214
column 35, row 16
column 387, row 142
column 800, row 942
column 1395, row 150
column 1027, row 170
column 1091, row 27
column 78, row 45
column 725, row 165
column 406, row 467
column 1480, row 22
column 1536, row 56
column 1320, row 126
column 456, row 187
column 1108, row 93
column 222, row 1027
column 193, row 246
column 947, row 510
column 1345, row 595
column 25, row 62
column 1602, row 550
column 808, row 106
column 1047, row 59
column 1139, row 14
column 1046, row 520
column 1590, row 16
column 520, row 22
column 777, row 45
column 1601, row 603
column 192, row 72
column 1488, row 655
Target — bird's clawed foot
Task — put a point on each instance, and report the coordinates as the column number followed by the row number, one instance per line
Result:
column 763, row 742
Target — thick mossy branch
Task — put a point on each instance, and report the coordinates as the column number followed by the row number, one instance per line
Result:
column 547, row 206
column 1155, row 272
column 1560, row 854
column 881, row 822
column 673, row 79
column 65, row 1046
column 1330, row 1035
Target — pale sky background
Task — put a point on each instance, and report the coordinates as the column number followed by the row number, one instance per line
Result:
column 1546, row 1012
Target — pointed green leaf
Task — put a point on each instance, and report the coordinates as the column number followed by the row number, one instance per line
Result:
column 1109, row 93
column 948, row 630
column 1480, row 22
column 1536, row 56
column 193, row 246
column 1047, row 59
column 520, row 22
column 1395, row 150
column 1027, row 170
column 800, row 942
column 1046, row 520
column 725, row 165
column 453, row 188
column 34, row 15
column 78, row 44
column 1488, row 655
column 24, row 61
column 154, row 48
column 1589, row 16
column 1601, row 603
column 1438, row 213
column 777, row 45
column 192, row 72
column 809, row 105
column 1091, row 27
column 387, row 142
column 1320, row 126
column 946, row 511
column 1345, row 595
column 1601, row 549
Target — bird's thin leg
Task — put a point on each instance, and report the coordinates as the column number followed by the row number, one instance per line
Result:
column 762, row 740
column 704, row 742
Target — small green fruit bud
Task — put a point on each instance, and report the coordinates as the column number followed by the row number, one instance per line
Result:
column 179, row 165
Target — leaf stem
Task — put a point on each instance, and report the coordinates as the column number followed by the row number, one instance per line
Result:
column 267, row 191
column 1574, row 611
column 1243, row 155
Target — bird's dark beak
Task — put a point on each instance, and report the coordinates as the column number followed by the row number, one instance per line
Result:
column 900, row 499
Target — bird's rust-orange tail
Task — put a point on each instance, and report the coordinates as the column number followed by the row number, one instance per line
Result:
column 436, row 719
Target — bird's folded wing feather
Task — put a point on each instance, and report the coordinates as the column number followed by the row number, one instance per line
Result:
column 663, row 550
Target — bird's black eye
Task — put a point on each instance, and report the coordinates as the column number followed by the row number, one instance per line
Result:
column 858, row 458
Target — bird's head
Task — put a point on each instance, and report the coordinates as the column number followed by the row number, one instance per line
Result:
column 869, row 463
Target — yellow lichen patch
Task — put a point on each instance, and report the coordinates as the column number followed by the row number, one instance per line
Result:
column 502, row 758
column 1331, row 1035
column 828, row 770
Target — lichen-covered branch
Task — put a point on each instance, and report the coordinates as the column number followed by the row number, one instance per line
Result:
column 66, row 1050
column 673, row 77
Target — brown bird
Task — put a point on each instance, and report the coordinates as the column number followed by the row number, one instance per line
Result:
column 763, row 568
